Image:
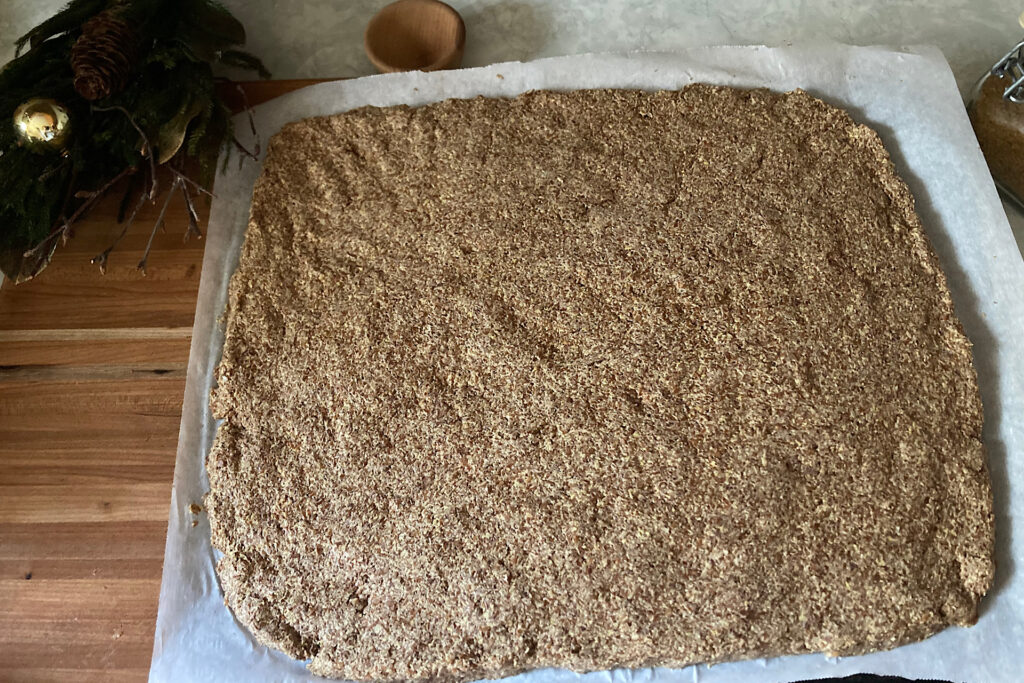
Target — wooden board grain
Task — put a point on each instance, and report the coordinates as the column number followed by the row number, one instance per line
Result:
column 92, row 372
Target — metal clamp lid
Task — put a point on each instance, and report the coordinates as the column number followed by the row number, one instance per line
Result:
column 1012, row 66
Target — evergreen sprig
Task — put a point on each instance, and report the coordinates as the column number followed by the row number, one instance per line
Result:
column 168, row 114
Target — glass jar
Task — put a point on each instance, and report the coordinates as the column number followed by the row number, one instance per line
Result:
column 996, row 110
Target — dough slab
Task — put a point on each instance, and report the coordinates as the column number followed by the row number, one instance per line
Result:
column 588, row 380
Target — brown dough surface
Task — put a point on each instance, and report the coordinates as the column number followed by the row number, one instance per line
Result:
column 592, row 379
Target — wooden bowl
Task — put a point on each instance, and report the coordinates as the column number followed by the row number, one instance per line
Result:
column 411, row 35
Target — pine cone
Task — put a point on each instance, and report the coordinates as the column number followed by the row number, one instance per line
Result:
column 104, row 56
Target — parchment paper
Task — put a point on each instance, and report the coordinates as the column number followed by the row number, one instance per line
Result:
column 908, row 95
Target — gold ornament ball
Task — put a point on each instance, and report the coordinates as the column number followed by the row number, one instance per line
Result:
column 42, row 123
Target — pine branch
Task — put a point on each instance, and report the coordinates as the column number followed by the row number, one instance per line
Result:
column 244, row 60
column 71, row 18
column 168, row 103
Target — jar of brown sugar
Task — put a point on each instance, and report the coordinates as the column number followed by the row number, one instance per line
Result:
column 996, row 109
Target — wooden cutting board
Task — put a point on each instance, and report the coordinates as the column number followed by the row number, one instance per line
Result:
column 92, row 374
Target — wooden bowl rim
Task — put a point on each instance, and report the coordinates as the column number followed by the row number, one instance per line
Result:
column 457, row 45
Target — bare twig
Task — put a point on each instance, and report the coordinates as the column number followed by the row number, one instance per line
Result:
column 129, row 194
column 147, row 148
column 63, row 226
column 54, row 169
column 241, row 148
column 185, row 179
column 47, row 241
column 252, row 123
column 101, row 258
column 193, row 217
column 180, row 182
column 64, row 205
column 158, row 224
column 254, row 155
column 67, row 196
column 252, row 118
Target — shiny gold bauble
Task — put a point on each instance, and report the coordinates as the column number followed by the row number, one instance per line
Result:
column 42, row 124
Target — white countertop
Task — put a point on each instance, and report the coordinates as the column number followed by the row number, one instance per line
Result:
column 323, row 38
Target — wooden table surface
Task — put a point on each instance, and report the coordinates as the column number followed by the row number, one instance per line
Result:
column 92, row 375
